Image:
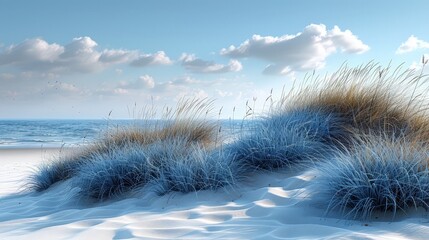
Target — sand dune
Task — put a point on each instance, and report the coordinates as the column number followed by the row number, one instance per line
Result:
column 268, row 206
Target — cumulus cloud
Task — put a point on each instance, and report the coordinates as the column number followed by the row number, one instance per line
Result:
column 191, row 63
column 80, row 55
column 29, row 52
column 144, row 81
column 114, row 56
column 412, row 43
column 300, row 52
column 147, row 81
column 159, row 58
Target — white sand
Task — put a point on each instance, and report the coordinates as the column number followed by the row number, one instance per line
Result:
column 268, row 206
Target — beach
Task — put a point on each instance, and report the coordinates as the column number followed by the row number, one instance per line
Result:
column 214, row 120
column 277, row 205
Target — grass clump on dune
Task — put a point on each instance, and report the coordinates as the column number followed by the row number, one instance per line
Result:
column 165, row 166
column 191, row 170
column 110, row 174
column 49, row 174
column 368, row 100
column 381, row 174
column 287, row 139
column 326, row 114
column 128, row 144
column 118, row 140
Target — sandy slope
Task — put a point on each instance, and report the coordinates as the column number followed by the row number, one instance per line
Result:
column 267, row 206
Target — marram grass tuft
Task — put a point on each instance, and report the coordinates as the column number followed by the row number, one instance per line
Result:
column 381, row 174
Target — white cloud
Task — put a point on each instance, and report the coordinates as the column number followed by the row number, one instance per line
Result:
column 80, row 55
column 147, row 81
column 159, row 58
column 192, row 63
column 144, row 81
column 113, row 56
column 412, row 43
column 29, row 52
column 301, row 52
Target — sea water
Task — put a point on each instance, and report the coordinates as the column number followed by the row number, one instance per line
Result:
column 70, row 133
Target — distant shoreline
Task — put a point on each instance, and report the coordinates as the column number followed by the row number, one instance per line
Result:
column 31, row 148
column 37, row 134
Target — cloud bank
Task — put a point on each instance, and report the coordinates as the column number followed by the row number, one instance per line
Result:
column 300, row 52
column 80, row 55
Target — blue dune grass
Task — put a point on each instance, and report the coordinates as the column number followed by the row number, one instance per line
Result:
column 113, row 173
column 288, row 139
column 113, row 144
column 166, row 166
column 381, row 174
column 54, row 172
column 197, row 169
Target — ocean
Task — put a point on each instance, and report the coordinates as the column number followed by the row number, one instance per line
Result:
column 71, row 133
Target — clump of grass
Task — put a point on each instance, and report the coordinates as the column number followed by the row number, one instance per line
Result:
column 194, row 131
column 326, row 114
column 168, row 165
column 113, row 173
column 383, row 174
column 287, row 139
column 50, row 173
column 367, row 99
column 191, row 169
column 184, row 123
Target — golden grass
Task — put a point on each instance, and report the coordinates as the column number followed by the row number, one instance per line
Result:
column 186, row 122
column 177, row 133
column 370, row 99
column 192, row 130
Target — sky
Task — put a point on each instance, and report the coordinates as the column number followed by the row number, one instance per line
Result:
column 112, row 59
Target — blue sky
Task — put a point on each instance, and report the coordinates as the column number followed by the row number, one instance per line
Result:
column 85, row 59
